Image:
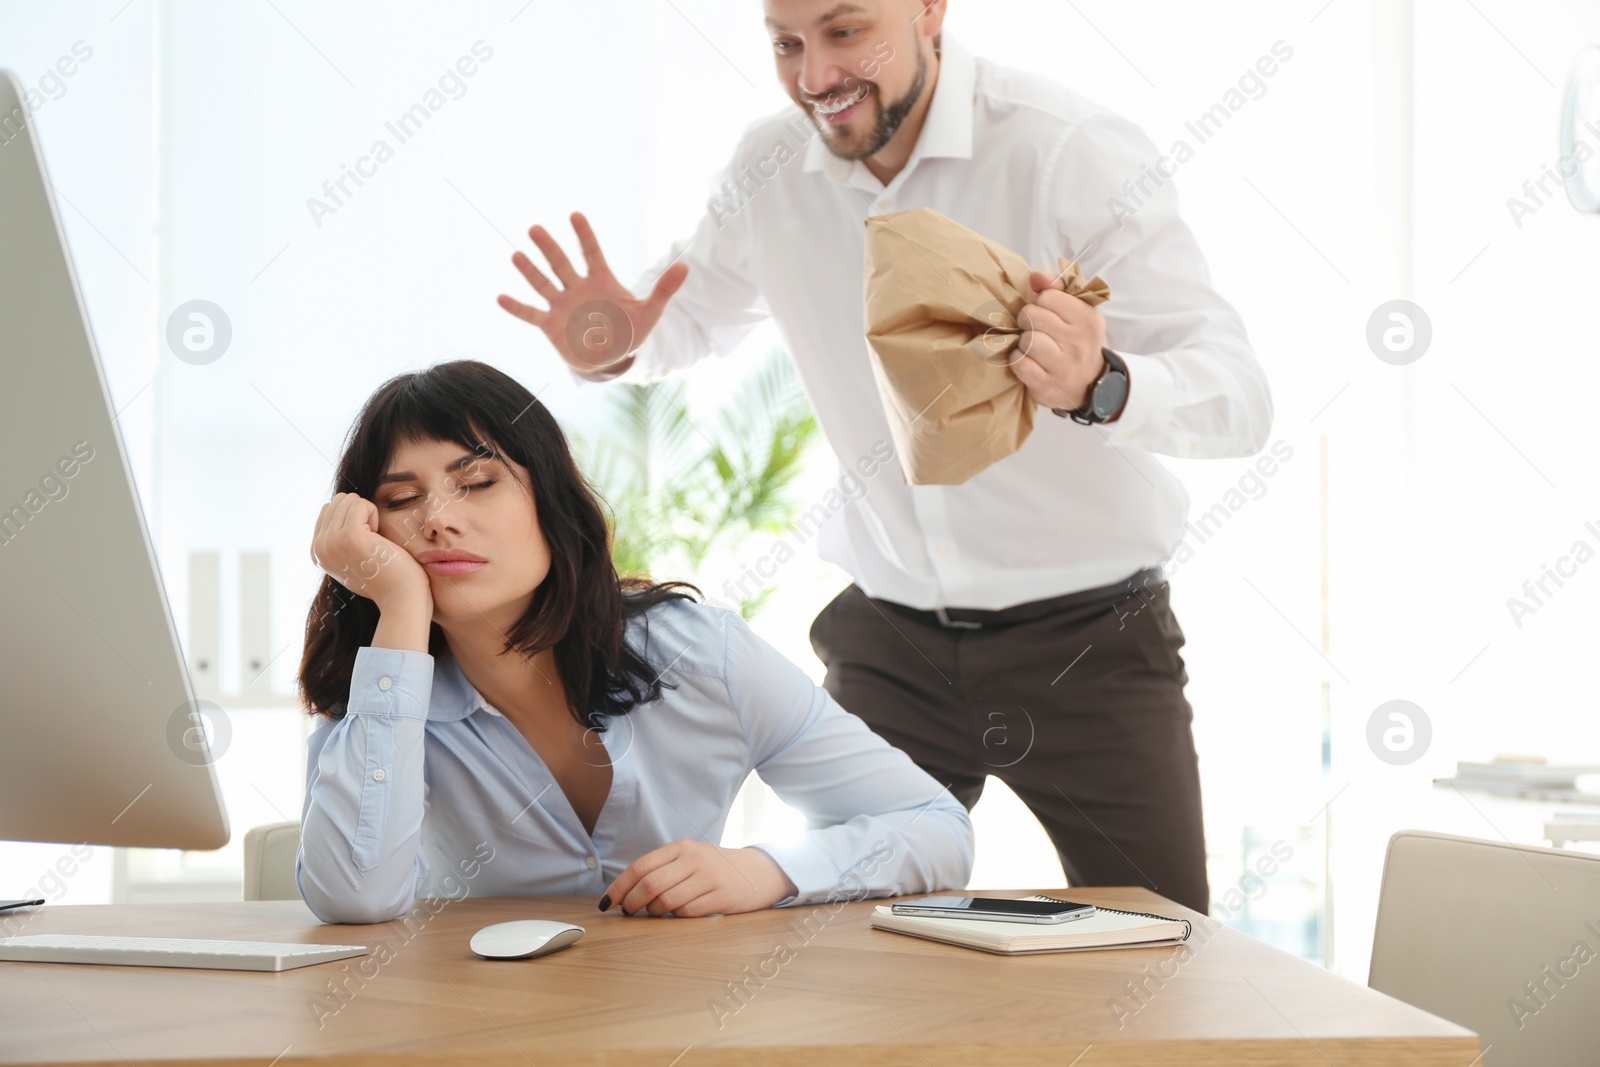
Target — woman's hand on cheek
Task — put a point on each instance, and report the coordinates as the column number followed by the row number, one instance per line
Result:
column 695, row 878
column 346, row 544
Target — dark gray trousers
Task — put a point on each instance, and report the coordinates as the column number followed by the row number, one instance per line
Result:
column 1080, row 712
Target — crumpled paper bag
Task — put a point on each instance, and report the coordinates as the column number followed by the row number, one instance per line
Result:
column 941, row 311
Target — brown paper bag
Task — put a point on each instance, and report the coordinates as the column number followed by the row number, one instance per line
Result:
column 942, row 303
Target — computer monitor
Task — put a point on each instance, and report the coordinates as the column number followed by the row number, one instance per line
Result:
column 101, row 737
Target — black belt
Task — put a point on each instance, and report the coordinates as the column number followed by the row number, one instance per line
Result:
column 978, row 618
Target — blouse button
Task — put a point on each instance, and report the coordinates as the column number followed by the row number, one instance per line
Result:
column 592, row 862
column 378, row 775
column 384, row 683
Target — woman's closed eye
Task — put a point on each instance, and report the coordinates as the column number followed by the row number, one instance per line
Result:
column 406, row 501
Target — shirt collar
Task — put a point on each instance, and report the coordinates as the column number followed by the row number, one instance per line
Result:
column 947, row 129
column 478, row 703
column 454, row 697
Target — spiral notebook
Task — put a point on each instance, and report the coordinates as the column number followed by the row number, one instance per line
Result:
column 1106, row 928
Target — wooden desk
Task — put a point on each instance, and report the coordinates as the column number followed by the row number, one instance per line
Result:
column 677, row 993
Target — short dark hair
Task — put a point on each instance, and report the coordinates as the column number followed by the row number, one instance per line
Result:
column 583, row 606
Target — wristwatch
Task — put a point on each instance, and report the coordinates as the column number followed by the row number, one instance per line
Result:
column 1106, row 396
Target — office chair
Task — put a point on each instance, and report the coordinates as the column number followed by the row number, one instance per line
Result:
column 1501, row 938
column 269, row 855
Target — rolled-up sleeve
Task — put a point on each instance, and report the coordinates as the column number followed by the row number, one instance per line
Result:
column 878, row 825
column 360, row 855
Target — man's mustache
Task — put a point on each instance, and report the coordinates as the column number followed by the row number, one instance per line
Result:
column 849, row 88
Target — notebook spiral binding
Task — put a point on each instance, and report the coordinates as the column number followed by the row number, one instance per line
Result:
column 1188, row 927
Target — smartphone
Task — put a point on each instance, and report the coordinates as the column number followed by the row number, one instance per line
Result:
column 996, row 908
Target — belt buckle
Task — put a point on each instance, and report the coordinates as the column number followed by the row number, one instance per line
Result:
column 954, row 624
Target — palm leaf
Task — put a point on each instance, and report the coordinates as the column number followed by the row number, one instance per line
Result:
column 674, row 499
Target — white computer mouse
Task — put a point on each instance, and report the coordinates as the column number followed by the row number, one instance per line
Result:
column 523, row 939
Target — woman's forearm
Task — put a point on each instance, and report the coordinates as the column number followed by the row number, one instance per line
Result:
column 404, row 626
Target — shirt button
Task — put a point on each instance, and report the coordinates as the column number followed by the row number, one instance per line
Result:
column 378, row 775
column 384, row 683
column 882, row 205
column 592, row 863
column 942, row 548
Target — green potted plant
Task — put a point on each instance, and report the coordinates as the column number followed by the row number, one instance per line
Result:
column 681, row 488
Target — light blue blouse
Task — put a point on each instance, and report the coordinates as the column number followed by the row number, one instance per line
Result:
column 422, row 790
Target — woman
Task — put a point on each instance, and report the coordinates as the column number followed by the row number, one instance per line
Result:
column 498, row 702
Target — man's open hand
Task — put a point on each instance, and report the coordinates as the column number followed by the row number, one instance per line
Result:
column 593, row 321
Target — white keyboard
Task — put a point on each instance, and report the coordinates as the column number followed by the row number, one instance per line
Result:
column 171, row 952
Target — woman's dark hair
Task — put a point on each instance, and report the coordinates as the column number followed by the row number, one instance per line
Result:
column 581, row 609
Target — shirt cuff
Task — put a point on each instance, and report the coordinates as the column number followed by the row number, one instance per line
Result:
column 580, row 381
column 1149, row 405
column 808, row 866
column 391, row 681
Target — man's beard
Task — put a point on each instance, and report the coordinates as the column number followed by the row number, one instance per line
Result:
column 889, row 118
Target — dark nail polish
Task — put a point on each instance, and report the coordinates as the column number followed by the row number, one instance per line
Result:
column 624, row 911
column 605, row 902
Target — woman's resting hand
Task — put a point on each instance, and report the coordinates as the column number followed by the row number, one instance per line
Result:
column 695, row 878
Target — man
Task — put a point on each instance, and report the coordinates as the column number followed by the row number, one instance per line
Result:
column 1018, row 624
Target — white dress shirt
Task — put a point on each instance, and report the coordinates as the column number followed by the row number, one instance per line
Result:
column 423, row 790
column 1034, row 166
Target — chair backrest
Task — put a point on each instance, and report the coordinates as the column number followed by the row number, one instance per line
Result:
column 269, row 855
column 1503, row 939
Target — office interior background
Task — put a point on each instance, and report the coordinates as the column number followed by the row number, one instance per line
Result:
column 1401, row 151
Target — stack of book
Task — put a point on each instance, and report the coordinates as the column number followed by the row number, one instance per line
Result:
column 1524, row 778
column 1106, row 928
